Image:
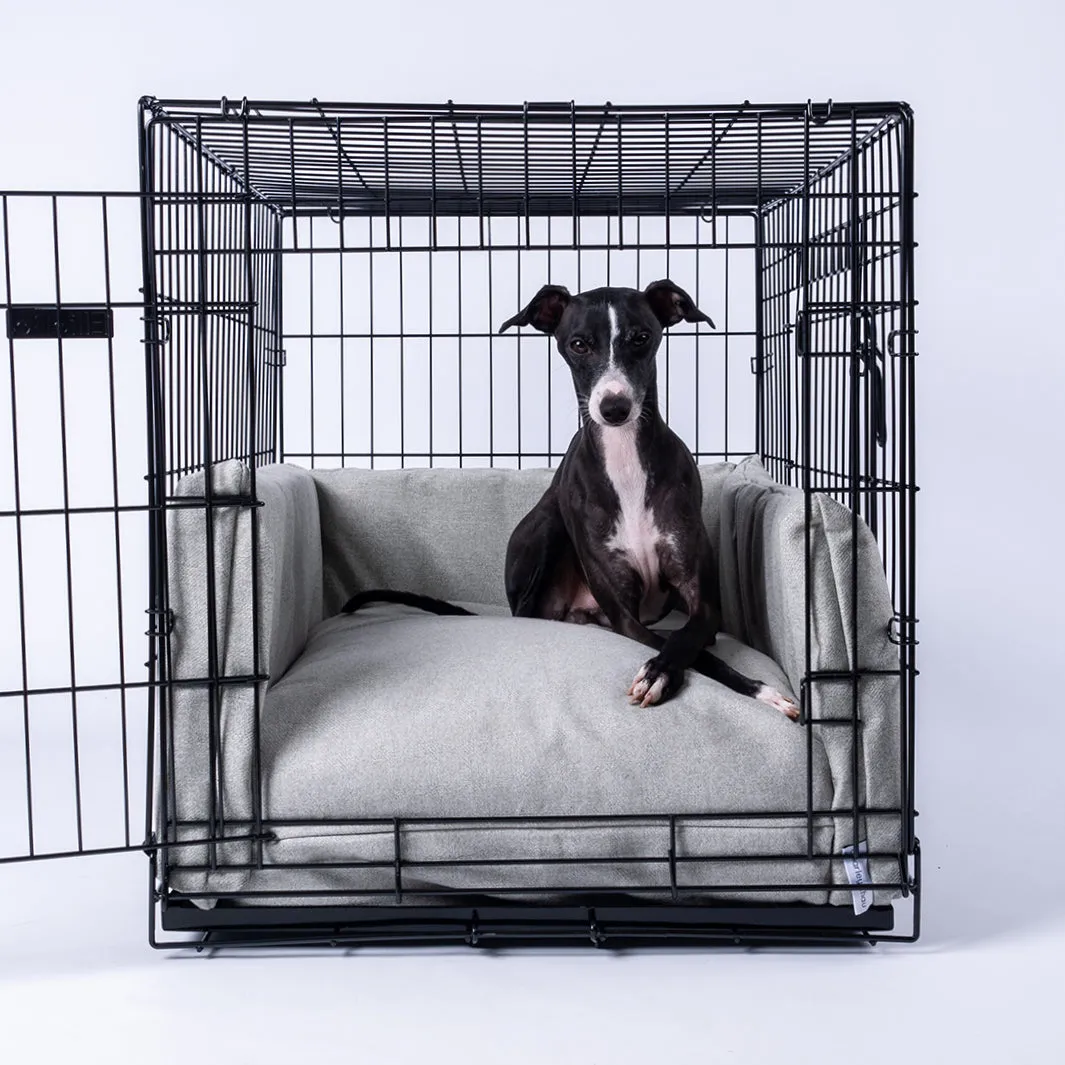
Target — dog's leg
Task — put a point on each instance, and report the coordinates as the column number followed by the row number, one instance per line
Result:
column 691, row 573
column 712, row 666
column 618, row 592
column 661, row 676
column 539, row 563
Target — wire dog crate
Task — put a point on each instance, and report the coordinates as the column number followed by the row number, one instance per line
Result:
column 321, row 284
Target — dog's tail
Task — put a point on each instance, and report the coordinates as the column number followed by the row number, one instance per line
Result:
column 420, row 602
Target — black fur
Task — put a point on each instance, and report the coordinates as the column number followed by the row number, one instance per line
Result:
column 421, row 602
column 560, row 564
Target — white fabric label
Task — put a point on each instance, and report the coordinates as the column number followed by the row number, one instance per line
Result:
column 858, row 873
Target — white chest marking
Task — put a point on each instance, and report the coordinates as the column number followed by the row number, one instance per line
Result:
column 635, row 532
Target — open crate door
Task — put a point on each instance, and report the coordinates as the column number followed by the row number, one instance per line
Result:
column 76, row 693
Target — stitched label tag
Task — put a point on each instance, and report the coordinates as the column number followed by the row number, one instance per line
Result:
column 858, row 873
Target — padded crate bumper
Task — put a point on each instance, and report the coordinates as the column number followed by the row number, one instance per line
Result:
column 404, row 757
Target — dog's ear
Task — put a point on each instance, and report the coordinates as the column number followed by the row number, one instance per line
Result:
column 672, row 304
column 544, row 311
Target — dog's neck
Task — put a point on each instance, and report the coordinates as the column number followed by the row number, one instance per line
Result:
column 623, row 450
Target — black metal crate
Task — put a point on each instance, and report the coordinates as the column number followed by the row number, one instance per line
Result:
column 320, row 283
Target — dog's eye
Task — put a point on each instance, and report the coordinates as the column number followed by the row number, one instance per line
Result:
column 578, row 346
column 641, row 338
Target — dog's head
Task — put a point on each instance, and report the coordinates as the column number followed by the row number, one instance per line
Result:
column 609, row 338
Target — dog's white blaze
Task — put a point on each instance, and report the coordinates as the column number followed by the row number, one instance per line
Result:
column 612, row 383
column 612, row 314
column 635, row 533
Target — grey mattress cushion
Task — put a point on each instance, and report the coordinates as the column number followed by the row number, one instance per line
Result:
column 392, row 713
column 439, row 532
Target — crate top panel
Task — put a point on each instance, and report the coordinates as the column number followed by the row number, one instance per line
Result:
column 528, row 159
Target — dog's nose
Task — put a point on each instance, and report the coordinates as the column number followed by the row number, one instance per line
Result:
column 615, row 409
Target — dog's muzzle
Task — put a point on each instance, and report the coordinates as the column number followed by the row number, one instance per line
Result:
column 612, row 401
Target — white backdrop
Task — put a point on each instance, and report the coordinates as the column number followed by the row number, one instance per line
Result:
column 985, row 82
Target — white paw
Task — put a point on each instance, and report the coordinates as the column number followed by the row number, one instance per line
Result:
column 778, row 701
column 644, row 691
column 640, row 685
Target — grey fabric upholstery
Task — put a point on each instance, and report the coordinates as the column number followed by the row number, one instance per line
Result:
column 393, row 714
column 441, row 532
column 406, row 715
column 287, row 597
column 763, row 579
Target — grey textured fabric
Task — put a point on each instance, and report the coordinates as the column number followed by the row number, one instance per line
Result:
column 288, row 598
column 438, row 532
column 763, row 578
column 406, row 715
column 396, row 714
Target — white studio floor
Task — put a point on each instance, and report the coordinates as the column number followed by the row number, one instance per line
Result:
column 78, row 981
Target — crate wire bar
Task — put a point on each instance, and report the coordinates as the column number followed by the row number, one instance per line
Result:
column 321, row 283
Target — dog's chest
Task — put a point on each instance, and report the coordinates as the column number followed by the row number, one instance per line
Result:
column 635, row 532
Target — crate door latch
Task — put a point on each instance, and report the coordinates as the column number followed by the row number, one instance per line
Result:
column 52, row 322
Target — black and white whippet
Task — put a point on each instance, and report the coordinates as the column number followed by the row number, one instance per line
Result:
column 618, row 538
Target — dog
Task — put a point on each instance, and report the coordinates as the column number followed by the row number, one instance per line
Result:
column 618, row 538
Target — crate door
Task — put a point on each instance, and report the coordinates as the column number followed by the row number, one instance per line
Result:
column 74, row 512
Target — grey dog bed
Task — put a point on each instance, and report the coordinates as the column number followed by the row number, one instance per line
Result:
column 443, row 722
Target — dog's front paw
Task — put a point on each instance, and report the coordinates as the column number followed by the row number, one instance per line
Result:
column 778, row 701
column 653, row 684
